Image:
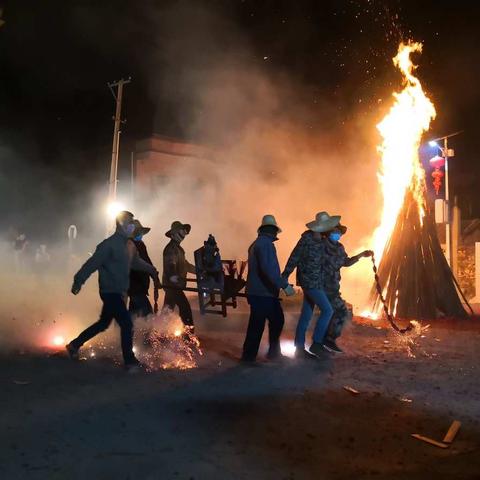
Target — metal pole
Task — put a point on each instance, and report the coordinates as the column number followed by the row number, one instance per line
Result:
column 132, row 175
column 112, row 191
column 448, row 248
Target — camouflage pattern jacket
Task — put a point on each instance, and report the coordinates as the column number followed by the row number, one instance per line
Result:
column 334, row 259
column 308, row 257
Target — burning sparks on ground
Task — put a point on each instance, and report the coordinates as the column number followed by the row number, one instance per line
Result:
column 370, row 315
column 401, row 130
column 171, row 351
column 168, row 344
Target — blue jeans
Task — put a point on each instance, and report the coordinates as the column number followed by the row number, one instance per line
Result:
column 312, row 297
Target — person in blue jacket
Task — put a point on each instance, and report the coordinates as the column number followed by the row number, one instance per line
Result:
column 263, row 287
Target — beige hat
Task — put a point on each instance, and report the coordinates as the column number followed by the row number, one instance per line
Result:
column 269, row 221
column 324, row 222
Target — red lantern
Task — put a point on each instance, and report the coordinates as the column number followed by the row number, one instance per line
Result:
column 437, row 163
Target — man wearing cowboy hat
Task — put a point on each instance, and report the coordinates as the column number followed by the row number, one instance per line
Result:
column 175, row 269
column 263, row 286
column 139, row 304
column 335, row 258
column 308, row 258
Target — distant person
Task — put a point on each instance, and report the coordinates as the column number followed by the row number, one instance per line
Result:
column 263, row 287
column 113, row 260
column 42, row 257
column 139, row 304
column 175, row 269
column 308, row 258
column 20, row 252
column 334, row 259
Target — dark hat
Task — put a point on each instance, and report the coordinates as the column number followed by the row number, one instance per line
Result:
column 342, row 228
column 140, row 229
column 176, row 226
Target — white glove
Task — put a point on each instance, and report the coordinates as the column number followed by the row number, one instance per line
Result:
column 289, row 290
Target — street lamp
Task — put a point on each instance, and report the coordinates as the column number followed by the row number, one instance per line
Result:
column 446, row 153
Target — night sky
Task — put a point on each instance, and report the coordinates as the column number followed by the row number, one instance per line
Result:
column 56, row 58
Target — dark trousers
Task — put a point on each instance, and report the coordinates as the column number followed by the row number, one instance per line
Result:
column 113, row 308
column 140, row 306
column 177, row 298
column 262, row 309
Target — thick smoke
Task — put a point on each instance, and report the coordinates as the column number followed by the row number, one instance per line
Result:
column 276, row 145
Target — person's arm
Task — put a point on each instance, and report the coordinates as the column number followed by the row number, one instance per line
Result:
column 268, row 263
column 91, row 265
column 293, row 260
column 142, row 265
column 190, row 268
column 349, row 261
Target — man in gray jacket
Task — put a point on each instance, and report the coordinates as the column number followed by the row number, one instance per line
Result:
column 113, row 258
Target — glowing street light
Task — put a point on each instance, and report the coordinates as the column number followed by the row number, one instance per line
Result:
column 114, row 208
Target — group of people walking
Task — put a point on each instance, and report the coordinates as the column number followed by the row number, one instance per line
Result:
column 318, row 258
column 125, row 270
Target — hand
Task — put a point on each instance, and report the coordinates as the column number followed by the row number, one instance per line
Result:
column 174, row 278
column 76, row 289
column 367, row 253
column 289, row 290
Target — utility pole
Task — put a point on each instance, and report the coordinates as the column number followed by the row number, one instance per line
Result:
column 112, row 187
column 448, row 238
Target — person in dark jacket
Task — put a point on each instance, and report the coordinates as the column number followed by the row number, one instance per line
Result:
column 308, row 258
column 334, row 259
column 263, row 287
column 139, row 304
column 175, row 269
column 113, row 259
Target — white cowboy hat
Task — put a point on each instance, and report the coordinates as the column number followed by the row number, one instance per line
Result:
column 324, row 222
column 269, row 221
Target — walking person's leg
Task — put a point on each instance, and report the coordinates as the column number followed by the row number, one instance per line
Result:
column 276, row 321
column 303, row 321
column 169, row 301
column 320, row 299
column 106, row 317
column 185, row 310
column 124, row 320
column 256, row 325
column 140, row 306
column 341, row 315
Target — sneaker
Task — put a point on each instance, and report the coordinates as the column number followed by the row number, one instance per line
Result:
column 318, row 349
column 72, row 352
column 303, row 354
column 331, row 346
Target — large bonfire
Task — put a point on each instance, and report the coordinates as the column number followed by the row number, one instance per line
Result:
column 416, row 279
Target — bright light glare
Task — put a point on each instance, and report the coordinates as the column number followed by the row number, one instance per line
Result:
column 177, row 333
column 114, row 208
column 58, row 340
column 288, row 348
column 433, row 143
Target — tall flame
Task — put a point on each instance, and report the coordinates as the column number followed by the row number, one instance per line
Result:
column 402, row 129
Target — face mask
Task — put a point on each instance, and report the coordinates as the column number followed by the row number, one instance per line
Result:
column 138, row 238
column 335, row 236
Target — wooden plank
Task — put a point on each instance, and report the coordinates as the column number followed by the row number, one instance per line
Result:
column 429, row 440
column 452, row 432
